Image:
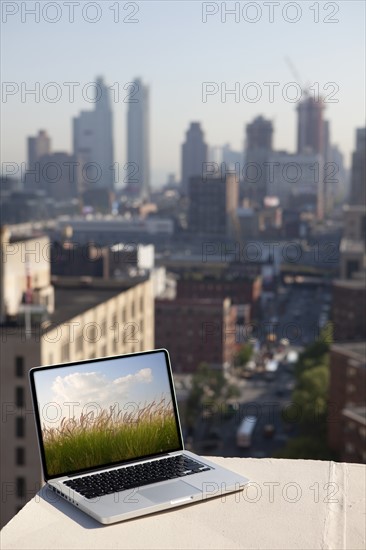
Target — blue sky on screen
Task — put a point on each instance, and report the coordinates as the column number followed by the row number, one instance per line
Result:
column 129, row 382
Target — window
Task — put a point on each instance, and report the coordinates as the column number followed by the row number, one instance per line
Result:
column 20, row 456
column 19, row 426
column 123, row 315
column 65, row 352
column 104, row 327
column 133, row 310
column 79, row 343
column 19, row 366
column 19, row 396
column 141, row 304
column 20, row 484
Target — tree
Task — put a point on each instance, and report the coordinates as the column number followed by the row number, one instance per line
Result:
column 310, row 401
column 244, row 354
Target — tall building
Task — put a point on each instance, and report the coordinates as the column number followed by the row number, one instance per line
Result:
column 294, row 175
column 212, row 205
column 347, row 401
column 194, row 154
column 137, row 178
column 358, row 176
column 60, row 176
column 353, row 244
column 44, row 324
column 311, row 136
column 93, row 141
column 37, row 147
column 259, row 135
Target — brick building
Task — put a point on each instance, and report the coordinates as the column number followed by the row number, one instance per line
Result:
column 348, row 309
column 241, row 290
column 347, row 390
column 196, row 331
column 354, row 422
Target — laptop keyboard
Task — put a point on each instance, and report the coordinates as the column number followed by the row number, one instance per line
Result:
column 130, row 477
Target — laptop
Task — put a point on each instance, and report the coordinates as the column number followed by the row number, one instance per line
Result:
column 110, row 438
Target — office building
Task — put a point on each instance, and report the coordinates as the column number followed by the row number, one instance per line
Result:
column 358, row 174
column 311, row 131
column 212, row 205
column 37, row 147
column 259, row 137
column 289, row 176
column 194, row 155
column 93, row 141
column 137, row 179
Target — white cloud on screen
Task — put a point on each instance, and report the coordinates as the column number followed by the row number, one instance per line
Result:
column 88, row 388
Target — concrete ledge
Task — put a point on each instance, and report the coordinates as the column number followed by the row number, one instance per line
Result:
column 289, row 504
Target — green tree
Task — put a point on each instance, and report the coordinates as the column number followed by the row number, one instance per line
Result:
column 310, row 401
column 244, row 354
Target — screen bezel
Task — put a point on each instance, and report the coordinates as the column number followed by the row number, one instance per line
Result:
column 32, row 371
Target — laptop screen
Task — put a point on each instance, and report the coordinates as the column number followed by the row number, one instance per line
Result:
column 102, row 412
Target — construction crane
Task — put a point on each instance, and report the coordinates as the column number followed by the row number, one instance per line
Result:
column 296, row 76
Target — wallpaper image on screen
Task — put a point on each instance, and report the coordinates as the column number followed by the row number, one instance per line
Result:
column 100, row 413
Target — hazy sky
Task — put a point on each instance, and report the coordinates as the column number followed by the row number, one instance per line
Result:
column 175, row 52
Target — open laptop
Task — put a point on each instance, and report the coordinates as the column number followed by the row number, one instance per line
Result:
column 110, row 438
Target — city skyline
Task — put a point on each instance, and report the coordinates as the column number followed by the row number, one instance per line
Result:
column 175, row 102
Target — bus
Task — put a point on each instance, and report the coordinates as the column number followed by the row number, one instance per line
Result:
column 245, row 430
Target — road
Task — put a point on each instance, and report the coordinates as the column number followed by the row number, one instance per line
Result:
column 264, row 399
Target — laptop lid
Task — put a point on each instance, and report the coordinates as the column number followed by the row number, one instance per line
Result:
column 103, row 412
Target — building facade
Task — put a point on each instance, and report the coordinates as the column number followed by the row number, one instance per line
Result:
column 194, row 155
column 311, row 130
column 37, row 147
column 346, row 391
column 137, row 176
column 213, row 204
column 196, row 331
column 93, row 142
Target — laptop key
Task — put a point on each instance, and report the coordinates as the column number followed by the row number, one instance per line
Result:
column 131, row 477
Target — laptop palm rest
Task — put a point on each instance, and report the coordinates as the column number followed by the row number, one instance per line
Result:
column 173, row 491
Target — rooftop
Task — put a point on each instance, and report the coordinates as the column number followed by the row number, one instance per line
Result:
column 74, row 295
column 289, row 504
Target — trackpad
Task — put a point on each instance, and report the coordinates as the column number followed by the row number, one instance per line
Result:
column 169, row 491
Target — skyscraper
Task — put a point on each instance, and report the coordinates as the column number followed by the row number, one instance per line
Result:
column 37, row 147
column 137, row 174
column 358, row 176
column 212, row 205
column 93, row 140
column 311, row 127
column 194, row 154
column 259, row 136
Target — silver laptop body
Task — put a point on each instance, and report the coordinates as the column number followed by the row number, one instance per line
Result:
column 99, row 418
